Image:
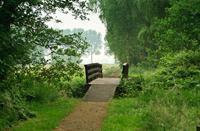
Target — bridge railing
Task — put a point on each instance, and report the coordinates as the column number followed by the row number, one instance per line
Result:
column 93, row 71
column 125, row 70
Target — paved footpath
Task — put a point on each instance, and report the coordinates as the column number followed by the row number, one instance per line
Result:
column 89, row 114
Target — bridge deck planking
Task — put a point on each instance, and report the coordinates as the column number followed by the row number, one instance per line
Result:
column 101, row 89
column 105, row 81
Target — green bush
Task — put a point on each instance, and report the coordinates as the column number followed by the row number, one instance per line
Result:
column 179, row 71
column 12, row 107
column 36, row 84
column 169, row 96
column 41, row 92
column 78, row 87
column 130, row 87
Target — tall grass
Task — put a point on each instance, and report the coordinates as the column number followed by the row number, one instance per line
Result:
column 111, row 70
column 168, row 99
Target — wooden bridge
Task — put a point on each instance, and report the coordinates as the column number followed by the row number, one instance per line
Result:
column 100, row 88
column 89, row 114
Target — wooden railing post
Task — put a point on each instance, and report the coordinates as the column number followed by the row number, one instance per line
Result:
column 198, row 128
column 101, row 71
column 125, row 70
column 86, row 73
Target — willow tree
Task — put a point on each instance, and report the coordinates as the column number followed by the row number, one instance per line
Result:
column 118, row 16
column 128, row 25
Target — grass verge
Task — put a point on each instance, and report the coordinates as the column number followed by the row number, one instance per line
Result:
column 160, row 111
column 123, row 115
column 48, row 115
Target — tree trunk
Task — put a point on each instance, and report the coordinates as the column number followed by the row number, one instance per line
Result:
column 91, row 57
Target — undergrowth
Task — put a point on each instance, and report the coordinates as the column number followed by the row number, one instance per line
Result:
column 49, row 115
column 36, row 85
column 169, row 96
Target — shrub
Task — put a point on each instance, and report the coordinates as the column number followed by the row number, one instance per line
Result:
column 172, row 93
column 12, row 107
column 178, row 71
column 77, row 86
column 36, row 84
column 130, row 87
column 41, row 92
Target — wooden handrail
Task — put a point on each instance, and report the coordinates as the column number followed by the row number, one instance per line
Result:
column 198, row 128
column 125, row 70
column 93, row 71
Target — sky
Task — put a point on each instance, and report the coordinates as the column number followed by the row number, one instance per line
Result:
column 69, row 22
column 94, row 23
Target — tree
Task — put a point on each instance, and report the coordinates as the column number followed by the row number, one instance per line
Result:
column 23, row 33
column 92, row 37
column 118, row 17
column 128, row 25
column 22, row 28
column 179, row 30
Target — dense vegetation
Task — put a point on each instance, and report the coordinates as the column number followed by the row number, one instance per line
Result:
column 37, row 63
column 48, row 117
column 166, row 98
column 158, row 38
column 138, row 30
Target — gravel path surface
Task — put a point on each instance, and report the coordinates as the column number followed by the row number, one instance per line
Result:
column 89, row 114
